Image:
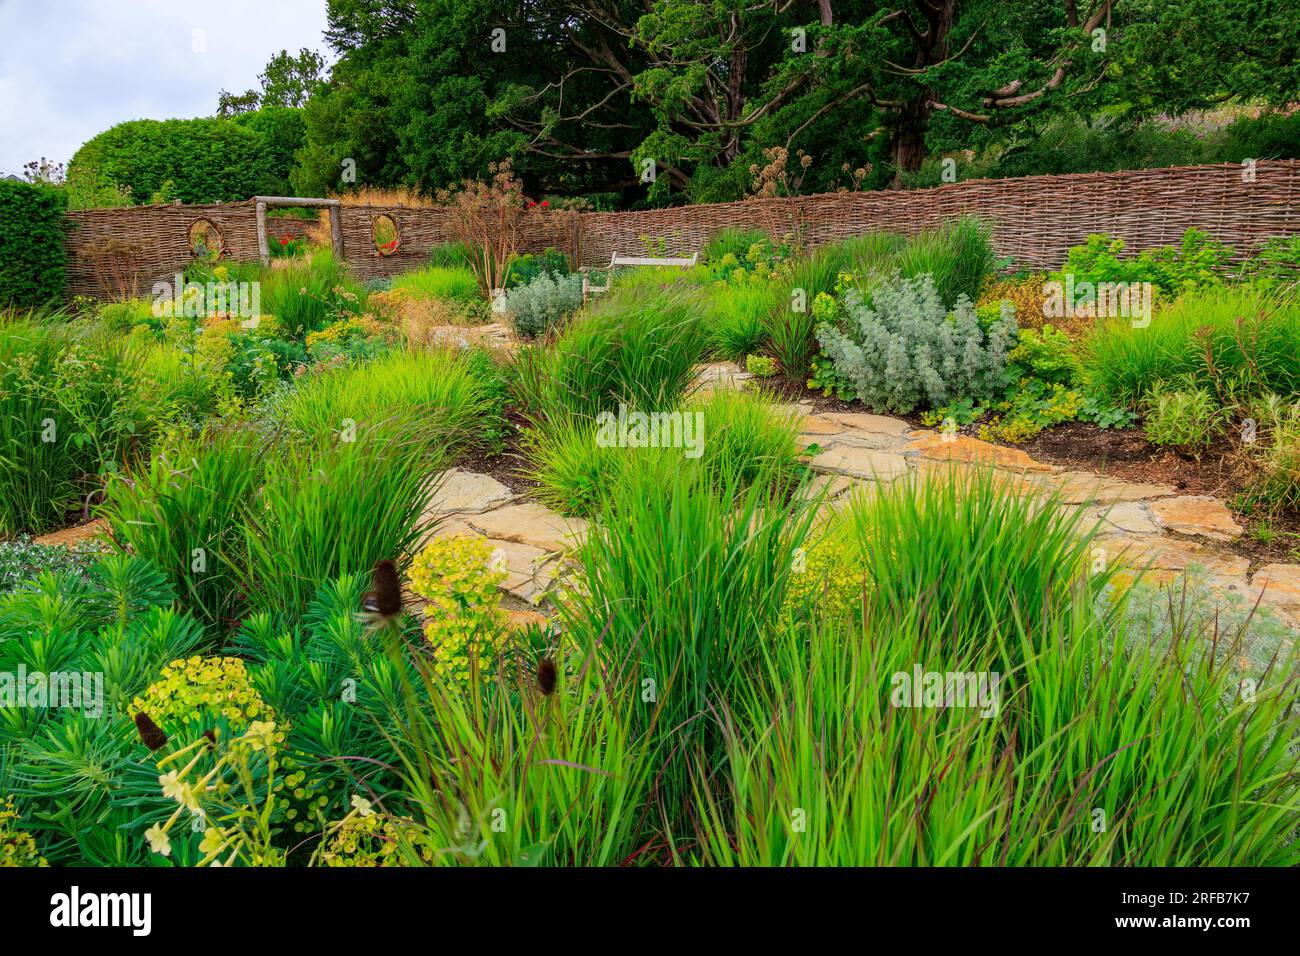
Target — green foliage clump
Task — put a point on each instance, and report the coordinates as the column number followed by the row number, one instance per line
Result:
column 1235, row 340
column 571, row 468
column 738, row 316
column 456, row 283
column 956, row 255
column 22, row 559
column 524, row 269
column 736, row 242
column 760, row 366
column 1275, row 452
column 1275, row 264
column 543, row 302
column 33, row 259
column 907, row 350
column 637, row 347
column 71, row 407
column 1189, row 419
column 1198, row 262
column 195, row 160
column 441, row 394
column 183, row 512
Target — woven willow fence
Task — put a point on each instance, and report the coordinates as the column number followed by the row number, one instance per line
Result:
column 1035, row 220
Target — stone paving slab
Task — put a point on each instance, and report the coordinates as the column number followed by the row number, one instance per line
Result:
column 466, row 492
column 1197, row 515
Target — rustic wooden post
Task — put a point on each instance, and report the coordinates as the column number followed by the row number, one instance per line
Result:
column 263, row 248
column 336, row 229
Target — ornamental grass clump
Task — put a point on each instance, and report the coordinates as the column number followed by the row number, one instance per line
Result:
column 906, row 350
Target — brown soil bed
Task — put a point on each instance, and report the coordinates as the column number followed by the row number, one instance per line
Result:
column 505, row 465
column 1219, row 473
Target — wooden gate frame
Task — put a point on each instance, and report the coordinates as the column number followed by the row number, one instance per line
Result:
column 336, row 225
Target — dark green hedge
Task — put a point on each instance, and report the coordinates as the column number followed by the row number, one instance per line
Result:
column 33, row 261
column 195, row 160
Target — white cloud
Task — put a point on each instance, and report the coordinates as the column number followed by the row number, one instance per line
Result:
column 72, row 68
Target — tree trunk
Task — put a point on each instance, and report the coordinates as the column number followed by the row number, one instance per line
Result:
column 909, row 142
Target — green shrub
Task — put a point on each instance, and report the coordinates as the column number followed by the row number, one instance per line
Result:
column 450, row 255
column 1188, row 419
column 570, row 467
column 337, row 508
column 1198, row 262
column 737, row 316
column 1275, row 263
column 760, row 366
column 456, row 283
column 1094, row 725
column 543, row 302
column 732, row 241
column 685, row 607
column 873, row 252
column 791, row 324
column 957, row 256
column 33, row 260
column 1046, row 354
column 199, row 160
column 524, row 269
column 182, row 512
column 746, row 440
column 71, row 408
column 1275, row 451
column 441, row 394
column 1233, row 340
column 908, row 351
column 635, row 347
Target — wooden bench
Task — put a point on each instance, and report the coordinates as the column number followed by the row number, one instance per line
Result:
column 617, row 261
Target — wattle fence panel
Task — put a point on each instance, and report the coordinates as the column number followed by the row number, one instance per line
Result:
column 1035, row 220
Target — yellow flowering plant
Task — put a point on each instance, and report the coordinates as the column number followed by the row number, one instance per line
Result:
column 17, row 848
column 215, row 695
column 366, row 838
column 826, row 579
column 230, row 789
column 459, row 577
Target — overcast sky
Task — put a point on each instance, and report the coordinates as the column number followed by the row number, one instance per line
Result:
column 72, row 68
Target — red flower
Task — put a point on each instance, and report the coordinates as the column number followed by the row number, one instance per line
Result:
column 545, row 203
column 284, row 240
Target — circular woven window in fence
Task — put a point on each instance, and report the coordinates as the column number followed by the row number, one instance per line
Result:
column 383, row 229
column 205, row 240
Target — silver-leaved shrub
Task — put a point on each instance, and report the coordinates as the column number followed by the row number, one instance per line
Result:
column 543, row 302
column 906, row 349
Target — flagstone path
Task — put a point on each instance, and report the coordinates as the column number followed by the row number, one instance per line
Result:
column 1147, row 528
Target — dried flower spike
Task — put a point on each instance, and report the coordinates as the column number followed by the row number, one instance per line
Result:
column 546, row 676
column 385, row 600
column 151, row 735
